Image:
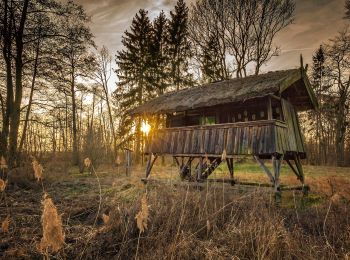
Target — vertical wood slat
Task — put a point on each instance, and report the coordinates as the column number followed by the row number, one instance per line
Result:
column 200, row 141
column 219, row 147
column 229, row 141
column 179, row 144
column 207, row 133
column 194, row 142
column 173, row 142
column 162, row 147
column 212, row 141
column 242, row 139
column 187, row 143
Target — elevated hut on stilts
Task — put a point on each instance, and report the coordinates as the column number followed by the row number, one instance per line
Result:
column 216, row 122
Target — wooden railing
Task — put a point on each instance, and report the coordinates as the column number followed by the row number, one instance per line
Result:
column 242, row 138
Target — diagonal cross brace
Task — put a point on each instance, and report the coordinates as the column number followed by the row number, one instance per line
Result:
column 266, row 170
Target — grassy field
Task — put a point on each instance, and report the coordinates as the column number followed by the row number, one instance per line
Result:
column 217, row 222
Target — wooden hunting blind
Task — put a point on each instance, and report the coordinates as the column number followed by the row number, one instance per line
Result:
column 217, row 122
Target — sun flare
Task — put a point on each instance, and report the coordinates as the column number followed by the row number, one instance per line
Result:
column 145, row 127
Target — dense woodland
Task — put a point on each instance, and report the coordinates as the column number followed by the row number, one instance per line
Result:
column 57, row 98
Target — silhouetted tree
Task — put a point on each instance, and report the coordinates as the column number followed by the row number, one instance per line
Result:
column 75, row 61
column 338, row 60
column 133, row 70
column 179, row 48
column 158, row 51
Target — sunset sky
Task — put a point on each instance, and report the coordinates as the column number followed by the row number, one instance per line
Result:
column 316, row 21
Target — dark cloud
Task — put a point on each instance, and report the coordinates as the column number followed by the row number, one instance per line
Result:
column 110, row 18
column 316, row 21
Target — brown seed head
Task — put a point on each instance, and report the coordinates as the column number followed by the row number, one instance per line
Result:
column 53, row 236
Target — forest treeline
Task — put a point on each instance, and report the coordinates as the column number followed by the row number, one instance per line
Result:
column 57, row 94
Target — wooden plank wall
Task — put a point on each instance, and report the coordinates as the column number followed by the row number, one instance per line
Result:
column 244, row 138
column 296, row 142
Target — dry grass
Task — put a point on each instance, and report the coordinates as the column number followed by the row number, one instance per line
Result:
column 183, row 223
column 187, row 224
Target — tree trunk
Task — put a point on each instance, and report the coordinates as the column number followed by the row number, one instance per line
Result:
column 340, row 133
column 30, row 97
column 75, row 153
column 6, row 37
column 16, row 112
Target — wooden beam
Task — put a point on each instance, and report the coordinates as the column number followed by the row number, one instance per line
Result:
column 228, row 181
column 275, row 97
column 269, row 108
column 184, row 167
column 214, row 163
column 266, row 170
column 293, row 169
column 150, row 164
column 299, row 167
column 199, row 169
column 230, row 166
column 276, row 163
column 177, row 161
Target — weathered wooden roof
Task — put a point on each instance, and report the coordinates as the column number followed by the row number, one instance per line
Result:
column 235, row 90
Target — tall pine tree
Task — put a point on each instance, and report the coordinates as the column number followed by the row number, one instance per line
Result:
column 211, row 65
column 321, row 120
column 179, row 48
column 159, row 58
column 134, row 63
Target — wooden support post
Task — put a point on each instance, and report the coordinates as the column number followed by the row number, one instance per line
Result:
column 151, row 160
column 184, row 168
column 209, row 168
column 294, row 170
column 127, row 162
column 266, row 170
column 301, row 173
column 230, row 166
column 299, row 167
column 269, row 108
column 200, row 169
column 177, row 161
column 276, row 163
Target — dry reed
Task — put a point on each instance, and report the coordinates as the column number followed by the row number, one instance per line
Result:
column 2, row 185
column 87, row 162
column 143, row 215
column 38, row 170
column 5, row 225
column 3, row 164
column 53, row 236
column 105, row 219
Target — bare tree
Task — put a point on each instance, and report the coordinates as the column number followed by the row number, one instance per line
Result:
column 103, row 74
column 207, row 27
column 271, row 16
column 338, row 62
column 75, row 60
column 242, row 30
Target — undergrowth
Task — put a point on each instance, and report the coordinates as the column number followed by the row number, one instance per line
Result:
column 181, row 222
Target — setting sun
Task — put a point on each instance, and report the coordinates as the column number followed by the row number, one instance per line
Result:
column 145, row 127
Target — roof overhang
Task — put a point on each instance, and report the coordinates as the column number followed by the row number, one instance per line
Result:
column 291, row 84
